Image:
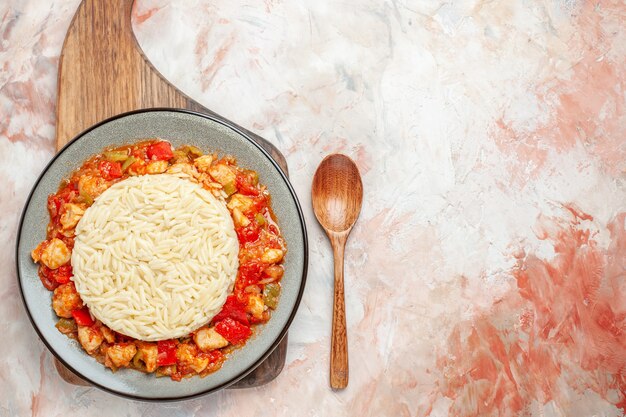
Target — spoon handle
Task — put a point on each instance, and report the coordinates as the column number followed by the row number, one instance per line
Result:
column 339, row 338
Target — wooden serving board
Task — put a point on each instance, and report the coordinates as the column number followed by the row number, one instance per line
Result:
column 103, row 72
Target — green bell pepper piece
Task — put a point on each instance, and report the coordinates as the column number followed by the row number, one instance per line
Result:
column 116, row 156
column 271, row 292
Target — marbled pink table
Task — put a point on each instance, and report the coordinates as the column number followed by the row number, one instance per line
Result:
column 486, row 275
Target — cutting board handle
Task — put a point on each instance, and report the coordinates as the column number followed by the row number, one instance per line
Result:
column 118, row 12
column 103, row 72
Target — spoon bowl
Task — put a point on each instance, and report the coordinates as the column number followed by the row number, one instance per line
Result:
column 337, row 195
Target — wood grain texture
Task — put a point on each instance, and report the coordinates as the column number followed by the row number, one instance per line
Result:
column 339, row 369
column 103, row 72
column 337, row 195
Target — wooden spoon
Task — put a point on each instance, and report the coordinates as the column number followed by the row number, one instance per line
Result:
column 337, row 194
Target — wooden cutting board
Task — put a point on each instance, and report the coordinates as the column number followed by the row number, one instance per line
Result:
column 103, row 72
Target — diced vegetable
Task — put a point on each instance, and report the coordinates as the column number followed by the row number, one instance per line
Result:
column 82, row 317
column 128, row 162
column 230, row 188
column 66, row 326
column 260, row 219
column 87, row 198
column 180, row 157
column 160, row 151
column 54, row 206
column 233, row 331
column 215, row 356
column 250, row 273
column 233, row 309
column 271, row 292
column 116, row 156
column 166, row 352
column 47, row 278
column 250, row 233
column 56, row 201
column 63, row 274
column 245, row 186
column 110, row 170
column 192, row 151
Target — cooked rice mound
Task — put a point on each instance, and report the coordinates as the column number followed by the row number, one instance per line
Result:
column 155, row 257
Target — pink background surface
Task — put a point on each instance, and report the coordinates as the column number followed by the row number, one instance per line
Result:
column 486, row 273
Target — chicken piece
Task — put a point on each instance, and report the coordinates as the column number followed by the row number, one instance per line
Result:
column 53, row 254
column 108, row 334
column 272, row 256
column 239, row 219
column 241, row 202
column 65, row 299
column 156, row 167
column 90, row 338
column 36, row 253
column 71, row 215
column 203, row 163
column 120, row 354
column 208, row 339
column 255, row 306
column 148, row 354
column 222, row 174
column 92, row 186
column 187, row 357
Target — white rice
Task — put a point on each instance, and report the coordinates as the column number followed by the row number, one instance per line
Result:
column 155, row 257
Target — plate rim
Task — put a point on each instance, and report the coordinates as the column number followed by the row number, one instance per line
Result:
column 305, row 248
